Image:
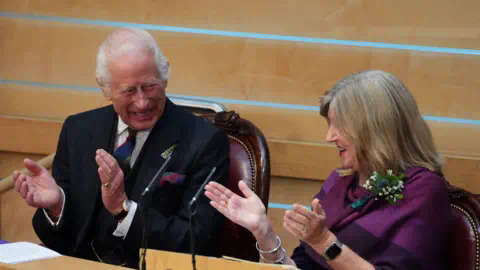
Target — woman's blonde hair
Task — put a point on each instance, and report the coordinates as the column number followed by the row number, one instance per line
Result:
column 378, row 114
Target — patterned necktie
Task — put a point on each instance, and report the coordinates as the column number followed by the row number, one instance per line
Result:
column 123, row 154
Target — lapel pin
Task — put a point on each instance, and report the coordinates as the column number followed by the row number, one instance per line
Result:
column 169, row 151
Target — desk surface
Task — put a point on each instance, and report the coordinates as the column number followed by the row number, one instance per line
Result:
column 63, row 262
column 160, row 260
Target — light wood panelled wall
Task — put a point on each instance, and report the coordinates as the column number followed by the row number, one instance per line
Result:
column 242, row 69
column 429, row 22
column 294, row 126
column 16, row 219
column 15, row 215
column 36, row 52
column 251, row 69
column 296, row 138
column 299, row 160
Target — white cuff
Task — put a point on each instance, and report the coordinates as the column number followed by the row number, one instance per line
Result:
column 50, row 221
column 124, row 226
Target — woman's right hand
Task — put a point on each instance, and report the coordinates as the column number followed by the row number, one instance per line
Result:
column 248, row 212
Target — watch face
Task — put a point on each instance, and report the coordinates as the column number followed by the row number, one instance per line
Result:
column 333, row 251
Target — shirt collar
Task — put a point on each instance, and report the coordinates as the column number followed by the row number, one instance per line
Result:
column 121, row 127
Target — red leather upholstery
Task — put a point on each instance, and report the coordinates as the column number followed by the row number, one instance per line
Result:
column 465, row 242
column 250, row 161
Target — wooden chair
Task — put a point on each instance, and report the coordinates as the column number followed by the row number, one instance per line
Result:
column 465, row 239
column 249, row 161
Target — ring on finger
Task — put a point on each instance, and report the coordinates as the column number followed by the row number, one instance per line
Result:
column 106, row 185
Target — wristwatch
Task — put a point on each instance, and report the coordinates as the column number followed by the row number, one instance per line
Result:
column 332, row 251
column 125, row 207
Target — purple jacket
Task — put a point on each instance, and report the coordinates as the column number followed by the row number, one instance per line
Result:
column 413, row 234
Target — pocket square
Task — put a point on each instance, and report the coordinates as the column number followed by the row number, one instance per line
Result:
column 172, row 178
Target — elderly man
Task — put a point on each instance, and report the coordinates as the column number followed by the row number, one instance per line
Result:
column 106, row 157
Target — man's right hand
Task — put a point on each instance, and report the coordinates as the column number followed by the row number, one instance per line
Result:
column 39, row 190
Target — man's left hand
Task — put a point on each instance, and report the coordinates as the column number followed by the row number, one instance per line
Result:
column 112, row 178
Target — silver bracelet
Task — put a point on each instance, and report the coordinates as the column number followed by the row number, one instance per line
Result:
column 279, row 261
column 271, row 251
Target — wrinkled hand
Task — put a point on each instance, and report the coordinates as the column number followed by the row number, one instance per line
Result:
column 112, row 178
column 309, row 226
column 248, row 212
column 39, row 190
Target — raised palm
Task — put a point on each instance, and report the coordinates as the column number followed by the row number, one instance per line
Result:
column 248, row 212
column 46, row 194
column 40, row 189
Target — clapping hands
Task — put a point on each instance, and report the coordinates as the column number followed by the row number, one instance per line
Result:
column 112, row 179
column 308, row 225
column 248, row 212
column 40, row 189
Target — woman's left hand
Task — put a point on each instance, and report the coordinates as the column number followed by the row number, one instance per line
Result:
column 309, row 226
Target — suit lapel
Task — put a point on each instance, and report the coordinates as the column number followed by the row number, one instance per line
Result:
column 101, row 131
column 164, row 134
column 102, row 136
column 105, row 127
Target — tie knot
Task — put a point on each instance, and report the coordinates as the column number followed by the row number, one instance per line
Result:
column 131, row 132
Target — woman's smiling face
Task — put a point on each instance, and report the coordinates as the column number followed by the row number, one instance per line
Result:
column 347, row 150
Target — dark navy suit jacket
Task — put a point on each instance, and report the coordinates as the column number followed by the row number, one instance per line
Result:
column 199, row 147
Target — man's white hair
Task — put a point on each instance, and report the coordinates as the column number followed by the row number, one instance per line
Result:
column 124, row 41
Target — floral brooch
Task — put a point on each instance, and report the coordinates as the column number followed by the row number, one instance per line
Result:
column 389, row 187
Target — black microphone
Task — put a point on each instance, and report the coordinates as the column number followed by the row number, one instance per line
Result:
column 143, row 210
column 199, row 191
column 193, row 210
column 159, row 172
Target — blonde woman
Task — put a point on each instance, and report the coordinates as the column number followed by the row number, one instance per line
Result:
column 386, row 207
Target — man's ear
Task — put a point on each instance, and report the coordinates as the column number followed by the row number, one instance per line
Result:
column 106, row 94
column 99, row 82
column 105, row 91
column 165, row 69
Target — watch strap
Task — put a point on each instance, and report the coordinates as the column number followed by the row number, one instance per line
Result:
column 124, row 212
